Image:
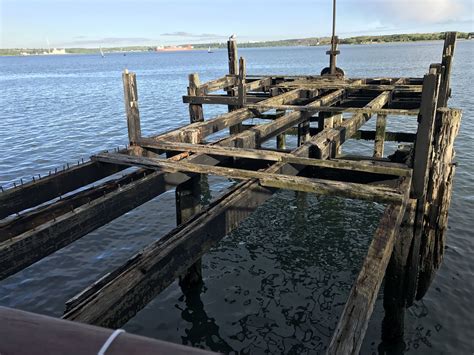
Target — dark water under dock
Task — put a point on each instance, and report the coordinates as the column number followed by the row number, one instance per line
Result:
column 279, row 282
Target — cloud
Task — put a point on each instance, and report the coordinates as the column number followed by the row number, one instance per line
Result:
column 192, row 35
column 426, row 11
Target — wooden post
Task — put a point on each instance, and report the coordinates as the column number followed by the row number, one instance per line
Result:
column 438, row 197
column 233, row 65
column 446, row 64
column 242, row 93
column 394, row 300
column 195, row 110
column 131, row 106
column 421, row 164
column 380, row 129
column 188, row 194
column 242, row 79
column 281, row 138
column 188, row 203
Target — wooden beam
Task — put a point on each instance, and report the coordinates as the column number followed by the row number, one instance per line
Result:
column 309, row 109
column 49, row 187
column 217, row 84
column 318, row 186
column 351, row 328
column 229, row 119
column 259, row 134
column 330, row 139
column 33, row 245
column 274, row 156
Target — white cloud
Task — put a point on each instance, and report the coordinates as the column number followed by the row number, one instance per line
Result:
column 432, row 11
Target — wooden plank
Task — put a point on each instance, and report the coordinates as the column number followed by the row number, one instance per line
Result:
column 48, row 335
column 351, row 328
column 33, row 218
column 257, row 135
column 259, row 84
column 274, row 156
column 47, row 188
column 229, row 119
column 348, row 86
column 318, row 186
column 217, row 84
column 33, row 245
column 307, row 108
column 131, row 105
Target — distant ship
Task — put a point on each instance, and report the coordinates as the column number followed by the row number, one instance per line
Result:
column 174, row 48
column 209, row 50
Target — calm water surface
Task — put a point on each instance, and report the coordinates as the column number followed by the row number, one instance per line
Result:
column 279, row 282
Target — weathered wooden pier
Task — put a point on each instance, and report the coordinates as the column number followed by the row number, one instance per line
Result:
column 323, row 112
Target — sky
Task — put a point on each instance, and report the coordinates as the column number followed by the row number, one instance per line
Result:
column 106, row 23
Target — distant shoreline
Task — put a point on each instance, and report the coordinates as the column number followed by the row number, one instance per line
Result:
column 302, row 42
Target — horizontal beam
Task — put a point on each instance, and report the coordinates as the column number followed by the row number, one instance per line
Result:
column 25, row 249
column 218, row 99
column 307, row 108
column 218, row 84
column 49, row 187
column 203, row 129
column 273, row 156
column 317, row 186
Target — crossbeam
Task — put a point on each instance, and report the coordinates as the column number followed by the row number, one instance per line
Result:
column 317, row 186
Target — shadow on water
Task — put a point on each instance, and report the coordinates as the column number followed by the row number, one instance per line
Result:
column 203, row 332
column 277, row 284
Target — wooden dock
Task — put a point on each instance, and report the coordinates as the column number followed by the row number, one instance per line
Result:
column 323, row 112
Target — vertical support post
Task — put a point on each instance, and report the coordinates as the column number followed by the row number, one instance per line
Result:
column 233, row 70
column 242, row 80
column 380, row 128
column 188, row 203
column 446, row 63
column 281, row 138
column 195, row 110
column 131, row 106
column 421, row 165
column 330, row 120
column 188, row 194
column 394, row 300
column 303, row 132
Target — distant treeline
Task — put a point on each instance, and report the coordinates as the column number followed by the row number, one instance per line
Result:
column 313, row 41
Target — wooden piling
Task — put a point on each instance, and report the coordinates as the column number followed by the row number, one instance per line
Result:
column 380, row 129
column 195, row 110
column 131, row 106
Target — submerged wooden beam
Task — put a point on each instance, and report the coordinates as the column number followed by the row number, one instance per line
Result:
column 25, row 249
column 351, row 328
column 50, row 187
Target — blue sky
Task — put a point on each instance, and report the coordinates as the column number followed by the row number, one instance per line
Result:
column 87, row 23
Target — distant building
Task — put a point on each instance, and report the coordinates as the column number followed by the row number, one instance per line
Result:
column 58, row 51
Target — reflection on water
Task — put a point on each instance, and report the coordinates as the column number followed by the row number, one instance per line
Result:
column 277, row 284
